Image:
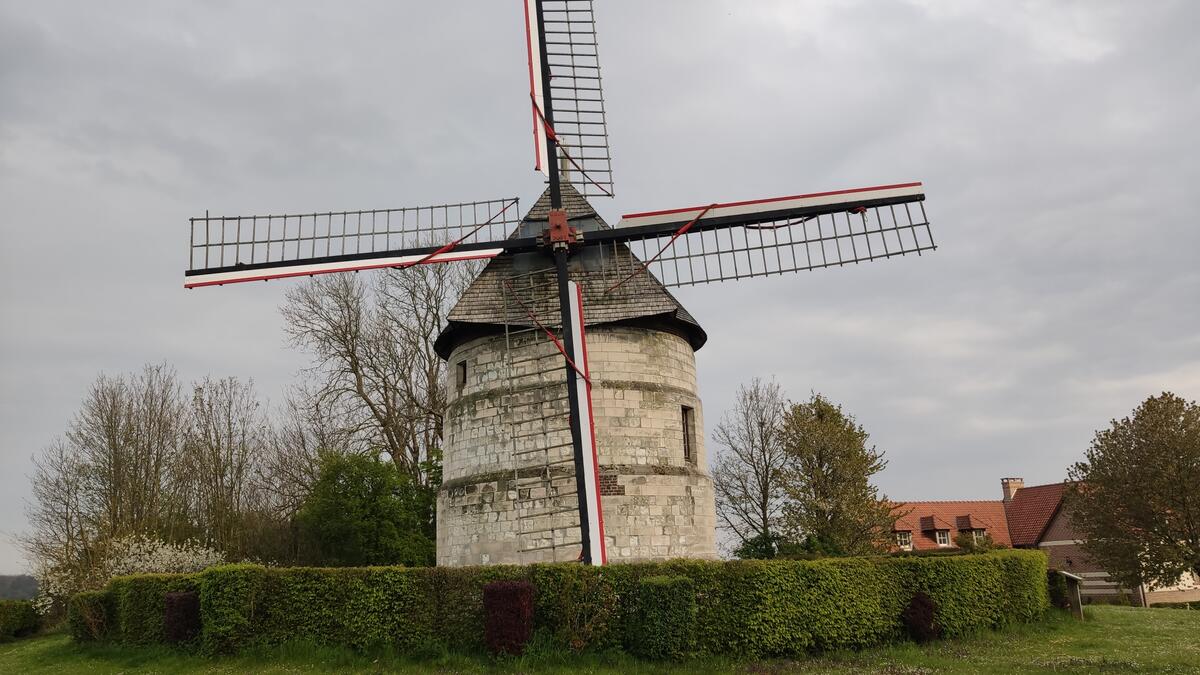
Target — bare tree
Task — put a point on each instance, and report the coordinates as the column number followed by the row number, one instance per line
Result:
column 373, row 348
column 303, row 432
column 105, row 478
column 59, row 535
column 747, row 478
column 126, row 434
column 227, row 431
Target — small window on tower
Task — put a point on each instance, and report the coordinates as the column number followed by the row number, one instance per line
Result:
column 460, row 375
column 689, row 426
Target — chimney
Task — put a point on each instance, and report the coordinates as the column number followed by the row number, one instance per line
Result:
column 1010, row 486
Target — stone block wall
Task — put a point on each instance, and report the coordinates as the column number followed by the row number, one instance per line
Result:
column 657, row 503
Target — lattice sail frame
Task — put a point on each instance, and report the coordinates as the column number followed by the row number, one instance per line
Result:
column 229, row 249
column 576, row 97
column 681, row 247
column 753, row 239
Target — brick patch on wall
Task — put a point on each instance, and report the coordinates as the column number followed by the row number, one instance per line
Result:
column 609, row 487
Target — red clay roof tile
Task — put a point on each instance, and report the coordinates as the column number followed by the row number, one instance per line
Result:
column 985, row 515
column 1030, row 512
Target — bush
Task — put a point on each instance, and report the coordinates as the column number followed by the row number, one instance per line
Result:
column 1056, row 585
column 459, row 600
column 124, row 556
column 139, row 605
column 18, row 618
column 744, row 608
column 967, row 542
column 508, row 608
column 578, row 604
column 919, row 618
column 664, row 624
column 249, row 605
column 90, row 616
column 1120, row 599
column 181, row 616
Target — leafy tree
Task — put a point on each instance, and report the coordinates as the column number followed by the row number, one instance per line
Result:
column 832, row 503
column 971, row 544
column 362, row 511
column 1135, row 498
column 759, row 547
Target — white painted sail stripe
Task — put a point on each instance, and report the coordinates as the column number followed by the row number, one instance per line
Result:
column 303, row 269
column 771, row 205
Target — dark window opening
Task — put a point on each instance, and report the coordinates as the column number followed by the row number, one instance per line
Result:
column 688, row 433
column 461, row 375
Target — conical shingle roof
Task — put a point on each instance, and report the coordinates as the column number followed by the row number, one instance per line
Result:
column 488, row 305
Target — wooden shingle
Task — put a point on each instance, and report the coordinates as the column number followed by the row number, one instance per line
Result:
column 616, row 287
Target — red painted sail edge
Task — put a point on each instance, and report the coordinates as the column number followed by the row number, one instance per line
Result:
column 773, row 199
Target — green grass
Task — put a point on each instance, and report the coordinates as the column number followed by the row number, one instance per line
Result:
column 1112, row 640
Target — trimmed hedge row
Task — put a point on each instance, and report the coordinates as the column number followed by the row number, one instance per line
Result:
column 18, row 618
column 664, row 622
column 749, row 608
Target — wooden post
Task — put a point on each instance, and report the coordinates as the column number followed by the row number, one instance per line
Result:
column 1074, row 583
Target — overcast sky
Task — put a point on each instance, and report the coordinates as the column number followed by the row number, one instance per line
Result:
column 1058, row 143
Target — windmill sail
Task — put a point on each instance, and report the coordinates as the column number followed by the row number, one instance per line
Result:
column 576, row 99
column 232, row 249
column 763, row 237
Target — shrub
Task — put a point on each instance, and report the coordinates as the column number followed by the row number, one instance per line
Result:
column 458, row 601
column 508, row 608
column 139, row 605
column 967, row 542
column 181, row 616
column 762, row 546
column 1056, row 586
column 124, row 556
column 18, row 618
column 249, row 605
column 744, row 608
column 1120, row 599
column 578, row 604
column 919, row 618
column 90, row 616
column 664, row 622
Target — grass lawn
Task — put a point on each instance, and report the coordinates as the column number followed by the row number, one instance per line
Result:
column 1112, row 640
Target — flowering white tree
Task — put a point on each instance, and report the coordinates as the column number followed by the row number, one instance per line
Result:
column 134, row 554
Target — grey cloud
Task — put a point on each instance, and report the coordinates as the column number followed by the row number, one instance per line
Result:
column 1058, row 144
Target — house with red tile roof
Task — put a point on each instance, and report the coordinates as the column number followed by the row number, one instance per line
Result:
column 1025, row 517
column 928, row 526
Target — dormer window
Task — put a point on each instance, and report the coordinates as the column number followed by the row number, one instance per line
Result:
column 904, row 540
column 943, row 537
column 978, row 535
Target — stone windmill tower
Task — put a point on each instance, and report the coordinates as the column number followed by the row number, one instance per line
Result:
column 574, row 430
column 505, row 433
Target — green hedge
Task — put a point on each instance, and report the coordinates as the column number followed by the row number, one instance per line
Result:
column 18, row 618
column 664, row 621
column 137, row 605
column 246, row 605
column 749, row 608
column 90, row 616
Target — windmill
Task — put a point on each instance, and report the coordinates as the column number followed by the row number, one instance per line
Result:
column 553, row 274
